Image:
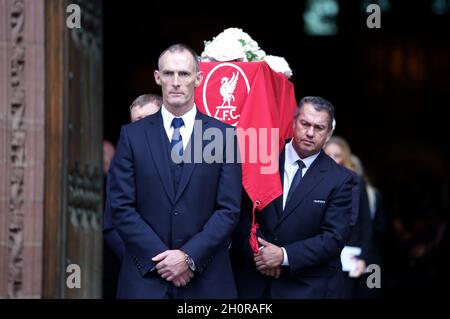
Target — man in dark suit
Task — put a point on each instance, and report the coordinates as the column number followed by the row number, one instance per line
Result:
column 302, row 232
column 113, row 245
column 174, row 208
column 143, row 106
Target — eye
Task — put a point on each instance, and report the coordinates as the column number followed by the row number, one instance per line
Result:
column 320, row 128
column 305, row 124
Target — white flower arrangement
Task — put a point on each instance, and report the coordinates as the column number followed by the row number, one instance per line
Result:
column 233, row 44
column 278, row 64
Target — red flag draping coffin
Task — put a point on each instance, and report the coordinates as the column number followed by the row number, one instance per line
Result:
column 259, row 102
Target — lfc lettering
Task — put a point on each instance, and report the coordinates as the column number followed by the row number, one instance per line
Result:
column 227, row 113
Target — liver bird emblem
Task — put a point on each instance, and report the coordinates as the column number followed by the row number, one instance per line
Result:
column 227, row 89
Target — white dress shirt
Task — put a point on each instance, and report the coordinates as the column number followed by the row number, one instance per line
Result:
column 290, row 168
column 185, row 130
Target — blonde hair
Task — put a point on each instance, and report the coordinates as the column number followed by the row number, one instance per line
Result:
column 346, row 151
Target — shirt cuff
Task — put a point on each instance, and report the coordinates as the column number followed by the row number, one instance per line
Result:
column 285, row 258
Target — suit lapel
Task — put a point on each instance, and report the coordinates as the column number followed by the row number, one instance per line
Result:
column 314, row 175
column 189, row 165
column 158, row 145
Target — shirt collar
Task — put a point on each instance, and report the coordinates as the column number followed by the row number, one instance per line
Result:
column 188, row 118
column 292, row 157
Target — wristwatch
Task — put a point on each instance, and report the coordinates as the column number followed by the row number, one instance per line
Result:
column 189, row 262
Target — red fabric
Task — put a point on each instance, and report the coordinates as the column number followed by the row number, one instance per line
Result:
column 268, row 101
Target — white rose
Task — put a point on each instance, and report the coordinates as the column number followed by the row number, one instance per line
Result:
column 226, row 50
column 278, row 64
column 232, row 44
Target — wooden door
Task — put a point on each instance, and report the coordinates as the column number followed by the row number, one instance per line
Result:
column 73, row 225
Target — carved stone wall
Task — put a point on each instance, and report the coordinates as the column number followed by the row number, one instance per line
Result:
column 22, row 107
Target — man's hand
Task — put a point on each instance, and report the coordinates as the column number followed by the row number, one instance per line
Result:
column 360, row 268
column 171, row 265
column 272, row 272
column 270, row 256
column 183, row 279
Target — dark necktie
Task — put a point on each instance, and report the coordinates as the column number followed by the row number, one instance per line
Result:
column 177, row 141
column 296, row 180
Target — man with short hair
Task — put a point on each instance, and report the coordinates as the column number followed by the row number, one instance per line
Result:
column 175, row 217
column 302, row 232
column 145, row 105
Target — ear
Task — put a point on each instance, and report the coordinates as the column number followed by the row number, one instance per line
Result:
column 198, row 78
column 329, row 134
column 157, row 77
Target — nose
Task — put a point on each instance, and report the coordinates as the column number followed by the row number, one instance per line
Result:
column 176, row 81
column 310, row 131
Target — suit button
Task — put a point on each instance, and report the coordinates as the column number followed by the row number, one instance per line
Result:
column 176, row 212
column 275, row 239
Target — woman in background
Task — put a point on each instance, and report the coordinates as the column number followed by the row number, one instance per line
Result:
column 361, row 236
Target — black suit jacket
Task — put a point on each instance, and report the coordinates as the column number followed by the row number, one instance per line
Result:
column 362, row 233
column 151, row 216
column 313, row 229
